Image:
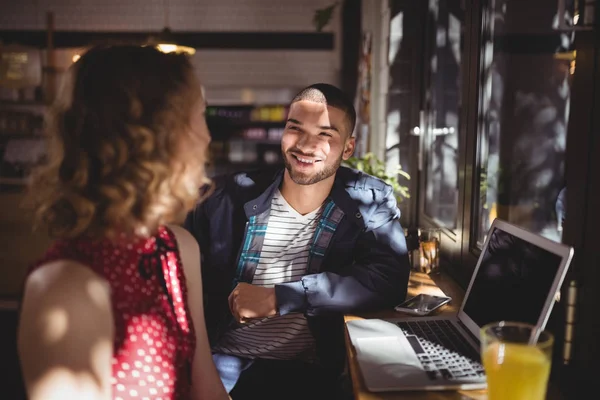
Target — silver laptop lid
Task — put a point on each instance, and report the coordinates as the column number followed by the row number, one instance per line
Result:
column 516, row 278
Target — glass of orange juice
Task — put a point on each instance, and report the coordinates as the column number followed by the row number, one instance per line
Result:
column 517, row 363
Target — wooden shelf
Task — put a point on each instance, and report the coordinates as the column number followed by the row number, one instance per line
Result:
column 254, row 141
column 13, row 181
column 22, row 103
column 19, row 135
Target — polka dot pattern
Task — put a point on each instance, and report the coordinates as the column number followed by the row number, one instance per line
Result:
column 154, row 335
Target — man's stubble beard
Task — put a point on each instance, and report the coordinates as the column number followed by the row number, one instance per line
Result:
column 301, row 179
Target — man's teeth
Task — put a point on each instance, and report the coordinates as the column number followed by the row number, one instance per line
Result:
column 304, row 160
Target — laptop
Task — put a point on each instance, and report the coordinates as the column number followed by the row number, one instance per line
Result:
column 517, row 278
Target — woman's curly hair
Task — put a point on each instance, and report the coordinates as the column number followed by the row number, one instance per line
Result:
column 123, row 156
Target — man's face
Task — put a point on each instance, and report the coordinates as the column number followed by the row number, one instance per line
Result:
column 315, row 141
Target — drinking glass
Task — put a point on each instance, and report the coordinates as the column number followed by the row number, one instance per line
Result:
column 429, row 250
column 517, row 365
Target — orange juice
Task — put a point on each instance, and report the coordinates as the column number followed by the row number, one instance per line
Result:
column 516, row 371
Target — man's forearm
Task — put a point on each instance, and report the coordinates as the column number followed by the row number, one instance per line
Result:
column 377, row 278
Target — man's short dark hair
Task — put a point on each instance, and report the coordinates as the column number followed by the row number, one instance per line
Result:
column 332, row 96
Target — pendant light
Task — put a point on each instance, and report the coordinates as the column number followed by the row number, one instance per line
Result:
column 165, row 40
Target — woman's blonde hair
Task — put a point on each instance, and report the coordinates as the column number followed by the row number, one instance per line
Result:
column 123, row 156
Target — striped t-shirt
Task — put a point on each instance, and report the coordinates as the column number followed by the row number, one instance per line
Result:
column 283, row 258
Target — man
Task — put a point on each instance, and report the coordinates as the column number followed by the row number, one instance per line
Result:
column 286, row 252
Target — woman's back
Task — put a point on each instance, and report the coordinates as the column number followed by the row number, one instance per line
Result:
column 153, row 332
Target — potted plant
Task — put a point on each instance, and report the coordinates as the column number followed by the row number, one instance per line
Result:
column 370, row 164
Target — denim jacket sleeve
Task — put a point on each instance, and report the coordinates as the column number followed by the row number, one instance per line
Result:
column 377, row 278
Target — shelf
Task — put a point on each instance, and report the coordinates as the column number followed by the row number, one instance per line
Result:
column 35, row 108
column 22, row 103
column 11, row 135
column 252, row 141
column 13, row 181
column 9, row 303
column 254, row 124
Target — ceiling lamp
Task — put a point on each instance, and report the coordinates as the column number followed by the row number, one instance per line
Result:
column 165, row 40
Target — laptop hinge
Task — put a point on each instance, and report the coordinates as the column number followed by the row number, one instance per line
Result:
column 468, row 332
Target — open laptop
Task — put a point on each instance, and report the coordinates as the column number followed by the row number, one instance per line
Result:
column 516, row 278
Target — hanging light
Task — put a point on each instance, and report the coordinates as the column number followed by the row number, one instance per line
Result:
column 165, row 40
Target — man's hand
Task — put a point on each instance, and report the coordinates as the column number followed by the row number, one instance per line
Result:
column 248, row 301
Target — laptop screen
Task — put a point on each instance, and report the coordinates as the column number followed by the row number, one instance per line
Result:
column 513, row 281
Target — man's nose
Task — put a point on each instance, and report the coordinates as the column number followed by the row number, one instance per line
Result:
column 307, row 143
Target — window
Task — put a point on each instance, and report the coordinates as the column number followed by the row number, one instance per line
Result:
column 524, row 98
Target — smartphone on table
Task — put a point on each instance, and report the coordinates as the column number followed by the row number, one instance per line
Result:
column 422, row 304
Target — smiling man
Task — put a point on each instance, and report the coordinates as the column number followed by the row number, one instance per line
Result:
column 286, row 252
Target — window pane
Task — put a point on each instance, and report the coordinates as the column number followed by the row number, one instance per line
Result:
column 443, row 98
column 524, row 108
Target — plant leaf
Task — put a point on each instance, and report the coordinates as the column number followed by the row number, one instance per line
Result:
column 323, row 16
column 372, row 165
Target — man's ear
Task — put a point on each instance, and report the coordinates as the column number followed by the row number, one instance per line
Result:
column 349, row 148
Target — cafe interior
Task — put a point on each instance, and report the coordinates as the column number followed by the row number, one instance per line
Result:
column 473, row 109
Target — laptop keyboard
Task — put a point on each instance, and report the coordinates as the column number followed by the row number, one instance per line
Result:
column 441, row 350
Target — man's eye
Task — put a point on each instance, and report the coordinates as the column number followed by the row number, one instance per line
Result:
column 326, row 134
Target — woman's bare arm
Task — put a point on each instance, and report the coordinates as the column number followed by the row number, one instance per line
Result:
column 65, row 334
column 206, row 383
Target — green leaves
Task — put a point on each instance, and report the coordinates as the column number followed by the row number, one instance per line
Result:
column 371, row 165
column 323, row 16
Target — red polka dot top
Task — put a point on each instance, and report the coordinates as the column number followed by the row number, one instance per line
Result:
column 154, row 335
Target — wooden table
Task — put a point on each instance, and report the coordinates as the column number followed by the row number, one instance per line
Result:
column 419, row 283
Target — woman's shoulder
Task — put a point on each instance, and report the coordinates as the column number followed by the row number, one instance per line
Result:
column 189, row 250
column 65, row 315
column 183, row 236
column 65, row 282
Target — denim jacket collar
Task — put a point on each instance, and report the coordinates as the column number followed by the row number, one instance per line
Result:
column 338, row 194
column 263, row 201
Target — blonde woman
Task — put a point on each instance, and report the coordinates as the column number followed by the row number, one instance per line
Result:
column 114, row 308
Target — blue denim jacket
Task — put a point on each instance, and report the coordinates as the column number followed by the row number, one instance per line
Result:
column 358, row 260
